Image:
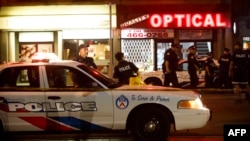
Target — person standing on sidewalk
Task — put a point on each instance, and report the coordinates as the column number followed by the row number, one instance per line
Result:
column 224, row 61
column 83, row 56
column 209, row 68
column 170, row 66
column 238, row 70
column 193, row 67
column 124, row 69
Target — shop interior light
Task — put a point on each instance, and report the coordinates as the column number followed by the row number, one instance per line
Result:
column 234, row 28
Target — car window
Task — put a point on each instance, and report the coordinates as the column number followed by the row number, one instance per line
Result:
column 104, row 79
column 27, row 76
column 67, row 77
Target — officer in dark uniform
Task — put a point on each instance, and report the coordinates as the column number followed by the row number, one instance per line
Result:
column 170, row 66
column 238, row 70
column 209, row 68
column 193, row 67
column 83, row 56
column 224, row 61
column 124, row 69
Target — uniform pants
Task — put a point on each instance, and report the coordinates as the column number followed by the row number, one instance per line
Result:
column 225, row 80
column 193, row 78
column 208, row 81
column 171, row 78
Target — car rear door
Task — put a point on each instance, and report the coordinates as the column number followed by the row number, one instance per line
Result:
column 87, row 106
column 21, row 99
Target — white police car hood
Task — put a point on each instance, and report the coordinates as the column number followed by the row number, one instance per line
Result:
column 160, row 89
column 146, row 87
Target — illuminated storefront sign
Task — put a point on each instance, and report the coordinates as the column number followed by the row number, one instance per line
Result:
column 147, row 33
column 246, row 38
column 189, row 20
column 134, row 21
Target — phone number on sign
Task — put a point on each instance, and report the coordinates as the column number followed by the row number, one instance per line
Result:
column 148, row 35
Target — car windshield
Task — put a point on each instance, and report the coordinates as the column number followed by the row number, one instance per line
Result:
column 110, row 83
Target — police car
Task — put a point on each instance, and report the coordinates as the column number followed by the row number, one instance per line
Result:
column 157, row 77
column 43, row 96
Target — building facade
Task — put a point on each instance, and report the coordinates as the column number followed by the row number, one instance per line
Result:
column 241, row 20
column 147, row 31
column 60, row 29
column 143, row 30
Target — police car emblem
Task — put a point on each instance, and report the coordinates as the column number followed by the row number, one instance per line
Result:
column 122, row 102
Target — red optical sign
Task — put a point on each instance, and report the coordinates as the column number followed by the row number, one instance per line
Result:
column 188, row 20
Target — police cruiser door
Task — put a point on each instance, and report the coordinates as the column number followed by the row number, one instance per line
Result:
column 22, row 99
column 71, row 106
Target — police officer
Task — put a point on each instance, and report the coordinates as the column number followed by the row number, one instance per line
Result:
column 170, row 66
column 124, row 69
column 224, row 61
column 238, row 70
column 83, row 56
column 209, row 68
column 193, row 67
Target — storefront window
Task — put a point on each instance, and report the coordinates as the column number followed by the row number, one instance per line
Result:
column 99, row 49
column 140, row 52
column 27, row 50
column 203, row 47
column 245, row 41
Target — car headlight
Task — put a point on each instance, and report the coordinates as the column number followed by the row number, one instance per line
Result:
column 190, row 104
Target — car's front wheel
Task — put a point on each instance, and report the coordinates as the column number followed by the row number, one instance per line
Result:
column 150, row 124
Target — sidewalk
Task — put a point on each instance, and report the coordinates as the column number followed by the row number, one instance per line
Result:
column 214, row 91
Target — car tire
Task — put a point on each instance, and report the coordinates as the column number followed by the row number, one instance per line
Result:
column 150, row 123
column 153, row 81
